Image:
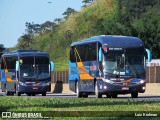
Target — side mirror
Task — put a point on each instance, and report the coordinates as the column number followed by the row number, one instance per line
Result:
column 17, row 65
column 52, row 66
column 100, row 57
column 149, row 55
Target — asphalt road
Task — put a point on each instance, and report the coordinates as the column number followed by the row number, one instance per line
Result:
column 65, row 95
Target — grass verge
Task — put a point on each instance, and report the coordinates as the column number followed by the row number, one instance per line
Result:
column 85, row 108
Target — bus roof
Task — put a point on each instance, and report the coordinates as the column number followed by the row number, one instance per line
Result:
column 26, row 53
column 112, row 41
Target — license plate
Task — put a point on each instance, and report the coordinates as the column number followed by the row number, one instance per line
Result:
column 125, row 88
column 35, row 88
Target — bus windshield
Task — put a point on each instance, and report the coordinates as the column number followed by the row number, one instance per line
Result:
column 124, row 64
column 34, row 67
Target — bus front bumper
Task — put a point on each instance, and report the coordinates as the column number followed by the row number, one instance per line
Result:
column 34, row 89
column 121, row 89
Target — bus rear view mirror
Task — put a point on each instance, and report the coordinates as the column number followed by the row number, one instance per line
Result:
column 149, row 55
column 100, row 55
column 52, row 66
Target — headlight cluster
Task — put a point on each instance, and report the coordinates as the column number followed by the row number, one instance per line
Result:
column 141, row 81
column 23, row 84
column 108, row 81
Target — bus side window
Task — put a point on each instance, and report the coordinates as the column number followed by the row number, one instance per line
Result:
column 94, row 52
column 86, row 52
column 82, row 53
column 2, row 63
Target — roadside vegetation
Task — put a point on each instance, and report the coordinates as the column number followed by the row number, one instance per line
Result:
column 140, row 18
column 72, row 107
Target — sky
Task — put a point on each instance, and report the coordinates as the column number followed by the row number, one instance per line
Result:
column 15, row 13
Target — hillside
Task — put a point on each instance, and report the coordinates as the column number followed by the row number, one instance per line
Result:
column 139, row 18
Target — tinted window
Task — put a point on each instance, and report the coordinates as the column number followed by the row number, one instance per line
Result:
column 90, row 52
column 86, row 52
column 27, row 60
column 72, row 55
column 9, row 62
column 41, row 60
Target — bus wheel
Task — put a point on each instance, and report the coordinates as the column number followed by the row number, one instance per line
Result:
column 114, row 96
column 79, row 94
column 11, row 93
column 108, row 96
column 29, row 94
column 44, row 94
column 134, row 95
column 33, row 94
column 97, row 93
column 85, row 95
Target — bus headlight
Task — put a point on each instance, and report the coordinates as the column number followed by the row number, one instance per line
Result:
column 108, row 81
column 105, row 87
column 142, row 81
column 143, row 88
column 23, row 84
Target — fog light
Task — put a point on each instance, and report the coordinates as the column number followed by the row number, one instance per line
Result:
column 143, row 88
column 105, row 87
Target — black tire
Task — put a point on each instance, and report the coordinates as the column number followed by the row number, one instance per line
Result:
column 85, row 95
column 134, row 95
column 44, row 94
column 33, row 94
column 108, row 96
column 114, row 96
column 11, row 93
column 78, row 93
column 29, row 94
column 97, row 93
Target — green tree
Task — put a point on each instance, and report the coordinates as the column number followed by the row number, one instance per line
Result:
column 68, row 12
column 24, row 42
column 29, row 28
column 87, row 1
column 148, row 29
column 1, row 47
column 57, row 20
